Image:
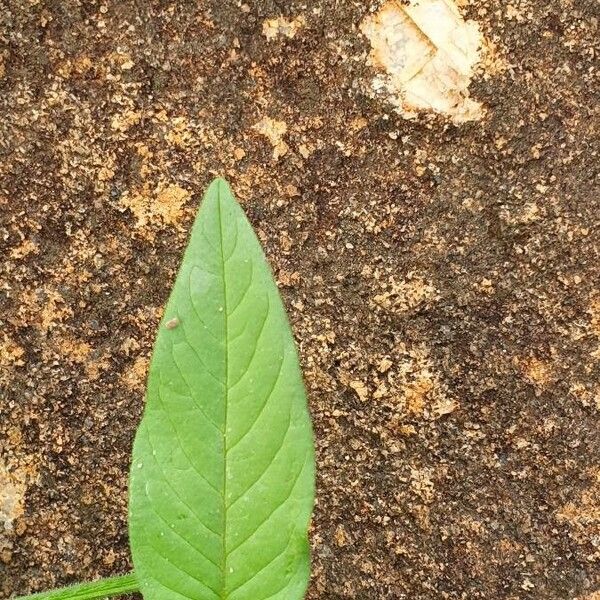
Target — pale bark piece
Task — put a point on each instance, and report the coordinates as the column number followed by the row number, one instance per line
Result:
column 427, row 54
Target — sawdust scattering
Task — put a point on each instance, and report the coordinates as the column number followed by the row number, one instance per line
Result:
column 122, row 122
column 274, row 131
column 158, row 208
column 422, row 484
column 134, row 378
column 77, row 351
column 582, row 514
column 361, row 389
column 421, row 390
column 170, row 201
column 538, row 372
column 24, row 250
column 95, row 368
column 180, row 134
column 282, row 26
column 405, row 295
column 45, row 308
column 587, row 395
column 594, row 312
column 10, row 352
column 239, row 153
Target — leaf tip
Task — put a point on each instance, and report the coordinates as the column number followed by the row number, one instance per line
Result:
column 219, row 185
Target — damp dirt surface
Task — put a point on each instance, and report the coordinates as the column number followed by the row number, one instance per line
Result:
column 443, row 281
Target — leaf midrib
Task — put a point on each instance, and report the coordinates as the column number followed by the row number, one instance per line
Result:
column 223, row 592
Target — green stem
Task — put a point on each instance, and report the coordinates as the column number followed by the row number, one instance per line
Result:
column 103, row 588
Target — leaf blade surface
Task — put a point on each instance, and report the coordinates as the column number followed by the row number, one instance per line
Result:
column 222, row 477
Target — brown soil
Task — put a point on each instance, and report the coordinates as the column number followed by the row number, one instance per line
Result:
column 442, row 281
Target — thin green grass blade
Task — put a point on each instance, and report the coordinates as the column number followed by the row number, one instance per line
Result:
column 103, row 588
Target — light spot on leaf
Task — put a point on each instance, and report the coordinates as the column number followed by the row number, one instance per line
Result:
column 172, row 323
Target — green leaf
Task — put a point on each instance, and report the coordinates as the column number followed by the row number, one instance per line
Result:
column 222, row 477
